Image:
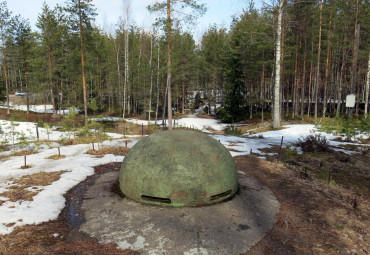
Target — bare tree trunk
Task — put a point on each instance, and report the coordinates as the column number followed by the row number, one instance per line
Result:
column 327, row 67
column 164, row 104
column 318, row 65
column 169, row 22
column 27, row 92
column 118, row 74
column 295, row 83
column 151, row 76
column 276, row 113
column 367, row 88
column 310, row 85
column 127, row 6
column 157, row 104
column 354, row 67
column 303, row 78
column 82, row 61
column 183, row 91
column 354, row 60
column 51, row 79
column 5, row 68
column 262, row 85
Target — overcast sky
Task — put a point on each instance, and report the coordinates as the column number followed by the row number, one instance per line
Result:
column 219, row 12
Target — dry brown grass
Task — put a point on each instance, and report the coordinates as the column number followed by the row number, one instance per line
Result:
column 254, row 128
column 32, row 117
column 17, row 154
column 205, row 116
column 4, row 148
column 315, row 218
column 21, row 188
column 56, row 157
column 39, row 240
column 26, row 167
column 128, row 128
column 23, row 152
column 118, row 151
column 230, row 149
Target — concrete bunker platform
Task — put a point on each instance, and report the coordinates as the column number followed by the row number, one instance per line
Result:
column 230, row 227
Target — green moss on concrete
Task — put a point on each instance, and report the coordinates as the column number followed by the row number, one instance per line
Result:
column 178, row 168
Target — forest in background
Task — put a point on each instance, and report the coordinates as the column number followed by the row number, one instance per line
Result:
column 324, row 57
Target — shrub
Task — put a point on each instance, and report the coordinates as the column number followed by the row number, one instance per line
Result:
column 346, row 128
column 40, row 123
column 224, row 115
column 70, row 121
column 232, row 130
column 314, row 143
column 365, row 126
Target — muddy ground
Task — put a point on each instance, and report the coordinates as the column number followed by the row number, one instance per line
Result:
column 315, row 217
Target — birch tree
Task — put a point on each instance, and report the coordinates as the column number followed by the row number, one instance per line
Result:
column 127, row 10
column 367, row 88
column 276, row 101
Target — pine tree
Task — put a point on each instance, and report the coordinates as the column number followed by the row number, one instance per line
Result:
column 81, row 15
column 169, row 6
column 24, row 41
column 5, row 21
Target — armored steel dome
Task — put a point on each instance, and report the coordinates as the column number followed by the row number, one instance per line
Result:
column 178, row 168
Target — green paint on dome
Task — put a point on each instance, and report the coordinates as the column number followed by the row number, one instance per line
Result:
column 179, row 168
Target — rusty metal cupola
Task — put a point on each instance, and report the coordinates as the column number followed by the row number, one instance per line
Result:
column 178, row 168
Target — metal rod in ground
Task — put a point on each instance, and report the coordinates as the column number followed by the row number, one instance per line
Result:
column 281, row 145
column 126, row 144
column 93, row 146
column 37, row 132
column 59, row 151
column 25, row 160
column 142, row 129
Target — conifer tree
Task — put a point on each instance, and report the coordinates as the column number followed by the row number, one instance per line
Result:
column 5, row 21
column 169, row 6
column 24, row 41
column 81, row 15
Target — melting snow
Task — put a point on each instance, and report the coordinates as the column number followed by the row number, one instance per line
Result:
column 206, row 125
column 37, row 108
column 49, row 202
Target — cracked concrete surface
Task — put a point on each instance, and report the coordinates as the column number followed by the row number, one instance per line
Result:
column 231, row 227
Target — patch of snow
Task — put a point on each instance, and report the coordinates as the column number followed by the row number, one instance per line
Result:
column 190, row 122
column 49, row 202
column 114, row 135
column 38, row 108
column 13, row 132
column 196, row 251
column 113, row 119
column 139, row 244
column 291, row 133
